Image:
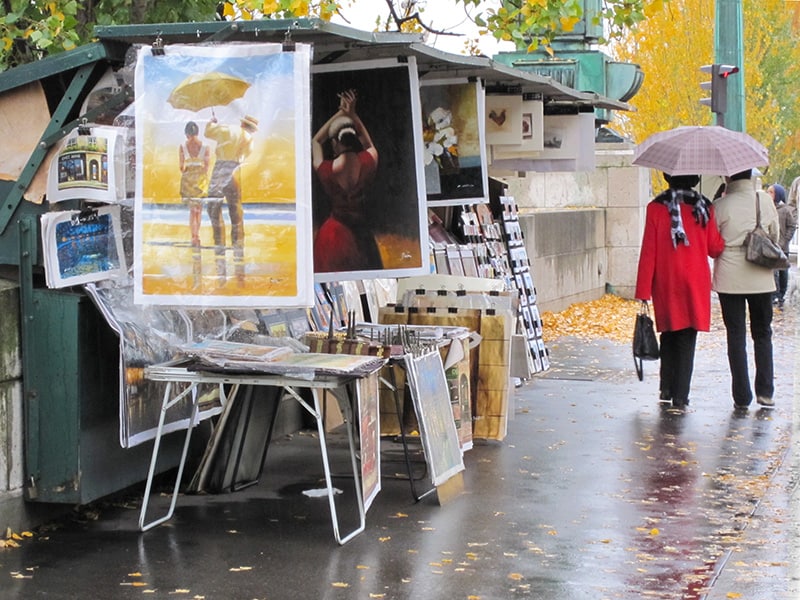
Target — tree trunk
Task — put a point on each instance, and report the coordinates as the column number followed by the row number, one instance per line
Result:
column 139, row 10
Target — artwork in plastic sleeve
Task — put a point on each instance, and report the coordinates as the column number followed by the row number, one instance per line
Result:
column 368, row 183
column 369, row 432
column 223, row 202
column 88, row 166
column 455, row 148
column 83, row 247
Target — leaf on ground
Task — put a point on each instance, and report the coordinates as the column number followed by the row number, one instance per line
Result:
column 340, row 584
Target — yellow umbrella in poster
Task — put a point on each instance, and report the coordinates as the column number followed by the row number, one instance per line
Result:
column 203, row 90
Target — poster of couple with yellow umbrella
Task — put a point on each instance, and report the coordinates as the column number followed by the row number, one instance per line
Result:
column 223, row 204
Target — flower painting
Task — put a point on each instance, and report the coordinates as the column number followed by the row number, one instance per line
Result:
column 453, row 133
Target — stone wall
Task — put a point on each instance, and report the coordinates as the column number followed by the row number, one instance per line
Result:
column 583, row 230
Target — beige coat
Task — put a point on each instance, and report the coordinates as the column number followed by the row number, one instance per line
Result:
column 736, row 215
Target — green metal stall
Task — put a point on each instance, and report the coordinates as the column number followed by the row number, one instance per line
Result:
column 70, row 355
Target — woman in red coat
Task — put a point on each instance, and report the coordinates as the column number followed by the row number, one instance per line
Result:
column 680, row 234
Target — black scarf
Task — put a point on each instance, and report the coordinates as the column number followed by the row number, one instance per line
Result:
column 672, row 199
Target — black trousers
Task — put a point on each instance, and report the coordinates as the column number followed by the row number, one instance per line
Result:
column 677, row 364
column 734, row 308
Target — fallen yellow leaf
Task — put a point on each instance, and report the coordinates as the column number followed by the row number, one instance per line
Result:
column 340, row 584
column 515, row 576
column 733, row 595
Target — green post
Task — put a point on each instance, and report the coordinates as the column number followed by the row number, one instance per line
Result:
column 729, row 50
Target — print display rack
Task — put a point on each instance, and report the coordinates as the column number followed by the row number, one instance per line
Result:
column 522, row 280
column 493, row 234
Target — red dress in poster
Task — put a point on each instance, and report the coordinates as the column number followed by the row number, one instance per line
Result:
column 345, row 241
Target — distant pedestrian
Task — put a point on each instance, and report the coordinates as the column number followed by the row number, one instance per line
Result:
column 743, row 286
column 680, row 234
column 787, row 219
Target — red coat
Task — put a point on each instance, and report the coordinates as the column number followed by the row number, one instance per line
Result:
column 678, row 280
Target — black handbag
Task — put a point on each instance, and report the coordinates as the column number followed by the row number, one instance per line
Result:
column 760, row 249
column 645, row 344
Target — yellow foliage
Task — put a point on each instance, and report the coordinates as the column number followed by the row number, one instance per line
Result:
column 678, row 37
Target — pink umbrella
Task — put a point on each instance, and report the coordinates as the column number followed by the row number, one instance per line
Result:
column 700, row 150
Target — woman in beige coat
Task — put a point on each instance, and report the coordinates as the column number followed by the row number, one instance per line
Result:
column 743, row 286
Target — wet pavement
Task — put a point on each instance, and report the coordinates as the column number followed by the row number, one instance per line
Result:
column 598, row 492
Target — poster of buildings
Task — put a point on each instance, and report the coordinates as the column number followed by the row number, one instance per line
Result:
column 87, row 167
column 223, row 203
column 368, row 184
column 455, row 149
column 80, row 247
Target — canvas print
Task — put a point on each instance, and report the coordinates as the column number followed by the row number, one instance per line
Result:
column 368, row 188
column 81, row 247
column 503, row 119
column 455, row 148
column 88, row 166
column 223, row 186
column 431, row 396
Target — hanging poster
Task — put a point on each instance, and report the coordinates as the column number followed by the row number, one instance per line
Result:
column 455, row 149
column 532, row 142
column 561, row 137
column 503, row 119
column 79, row 247
column 223, row 205
column 368, row 186
column 88, row 166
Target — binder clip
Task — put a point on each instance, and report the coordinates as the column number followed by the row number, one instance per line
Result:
column 83, row 127
column 158, row 46
column 86, row 215
column 288, row 42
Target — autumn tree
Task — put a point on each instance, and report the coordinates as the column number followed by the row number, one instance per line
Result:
column 32, row 29
column 670, row 47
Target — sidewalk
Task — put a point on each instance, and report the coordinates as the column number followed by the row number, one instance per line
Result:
column 598, row 492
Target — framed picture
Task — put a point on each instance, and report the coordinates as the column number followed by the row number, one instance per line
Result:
column 503, row 114
column 561, row 137
column 532, row 142
column 453, row 131
column 368, row 189
column 223, row 198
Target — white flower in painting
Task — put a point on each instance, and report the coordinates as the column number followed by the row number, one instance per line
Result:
column 439, row 135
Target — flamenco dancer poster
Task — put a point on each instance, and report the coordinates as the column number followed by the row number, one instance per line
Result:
column 223, row 196
column 368, row 188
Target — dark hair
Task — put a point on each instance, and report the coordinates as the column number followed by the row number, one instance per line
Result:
column 681, row 182
column 742, row 175
column 191, row 128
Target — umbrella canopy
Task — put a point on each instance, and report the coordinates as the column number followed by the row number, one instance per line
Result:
column 203, row 90
column 700, row 150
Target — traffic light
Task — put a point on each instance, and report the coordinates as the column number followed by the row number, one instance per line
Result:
column 718, row 86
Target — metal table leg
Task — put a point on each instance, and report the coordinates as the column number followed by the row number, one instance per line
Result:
column 166, row 404
column 348, row 416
